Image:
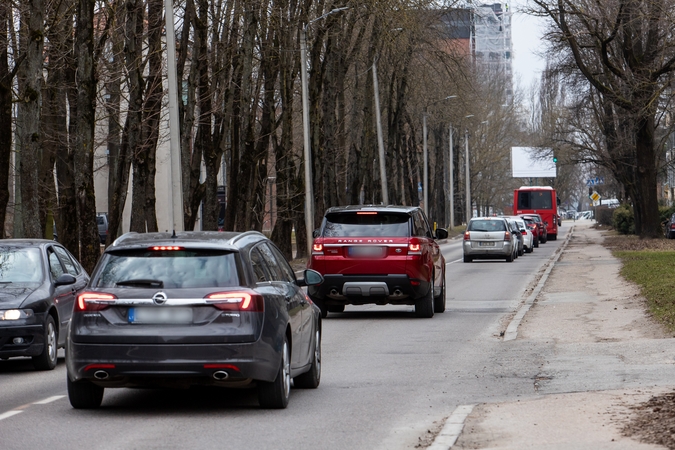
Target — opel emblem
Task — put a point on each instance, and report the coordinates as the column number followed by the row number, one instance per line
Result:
column 159, row 298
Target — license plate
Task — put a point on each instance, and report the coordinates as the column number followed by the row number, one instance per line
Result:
column 160, row 315
column 365, row 252
column 486, row 244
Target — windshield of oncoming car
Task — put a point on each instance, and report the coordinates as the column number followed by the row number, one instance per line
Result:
column 487, row 225
column 20, row 265
column 366, row 224
column 187, row 268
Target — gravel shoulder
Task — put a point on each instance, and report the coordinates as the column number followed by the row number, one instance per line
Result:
column 607, row 377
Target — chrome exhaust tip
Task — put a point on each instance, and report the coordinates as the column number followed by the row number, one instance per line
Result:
column 101, row 375
column 221, row 375
column 333, row 292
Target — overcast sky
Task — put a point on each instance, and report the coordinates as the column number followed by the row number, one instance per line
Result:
column 526, row 36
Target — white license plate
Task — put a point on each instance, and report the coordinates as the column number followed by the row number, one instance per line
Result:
column 486, row 244
column 364, row 251
column 160, row 315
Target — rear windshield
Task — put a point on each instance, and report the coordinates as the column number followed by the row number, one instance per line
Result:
column 167, row 269
column 487, row 225
column 362, row 225
column 535, row 200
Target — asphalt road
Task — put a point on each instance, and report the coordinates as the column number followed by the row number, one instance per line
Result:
column 387, row 379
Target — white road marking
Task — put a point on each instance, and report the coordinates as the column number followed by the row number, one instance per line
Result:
column 9, row 414
column 49, row 400
column 452, row 262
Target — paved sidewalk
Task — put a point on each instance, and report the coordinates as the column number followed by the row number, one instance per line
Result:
column 601, row 355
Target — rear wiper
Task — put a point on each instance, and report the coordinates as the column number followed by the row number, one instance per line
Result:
column 141, row 282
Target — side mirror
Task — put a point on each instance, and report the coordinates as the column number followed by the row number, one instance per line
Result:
column 546, row 223
column 441, row 233
column 311, row 278
column 64, row 280
column 316, row 233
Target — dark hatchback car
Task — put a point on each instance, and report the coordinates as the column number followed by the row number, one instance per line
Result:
column 39, row 282
column 194, row 308
column 378, row 255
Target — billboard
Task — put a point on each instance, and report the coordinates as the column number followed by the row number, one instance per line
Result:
column 532, row 162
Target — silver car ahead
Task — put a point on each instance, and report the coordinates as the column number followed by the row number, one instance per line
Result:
column 489, row 238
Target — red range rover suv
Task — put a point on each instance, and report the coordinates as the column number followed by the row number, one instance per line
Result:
column 381, row 255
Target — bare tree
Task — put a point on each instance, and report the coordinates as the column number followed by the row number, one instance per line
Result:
column 625, row 50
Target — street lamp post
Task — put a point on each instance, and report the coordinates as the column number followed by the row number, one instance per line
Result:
column 174, row 136
column 451, row 176
column 309, row 197
column 468, row 184
column 380, row 139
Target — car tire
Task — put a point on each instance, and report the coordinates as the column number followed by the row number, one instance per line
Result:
column 468, row 259
column 521, row 252
column 275, row 394
column 84, row 394
column 335, row 308
column 47, row 359
column 424, row 307
column 509, row 258
column 311, row 378
column 553, row 237
column 536, row 242
column 439, row 302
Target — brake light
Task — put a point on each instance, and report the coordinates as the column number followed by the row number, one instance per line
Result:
column 414, row 247
column 165, row 247
column 94, row 301
column 672, row 226
column 317, row 248
column 467, row 236
column 98, row 367
column 366, row 213
column 237, row 301
column 507, row 236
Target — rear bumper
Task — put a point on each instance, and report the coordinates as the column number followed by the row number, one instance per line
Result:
column 338, row 289
column 167, row 365
column 488, row 252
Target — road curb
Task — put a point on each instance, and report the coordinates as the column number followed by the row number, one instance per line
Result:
column 512, row 330
column 452, row 428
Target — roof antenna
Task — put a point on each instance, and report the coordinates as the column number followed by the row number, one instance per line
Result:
column 174, row 234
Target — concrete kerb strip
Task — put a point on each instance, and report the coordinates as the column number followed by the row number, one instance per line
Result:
column 452, row 429
column 512, row 330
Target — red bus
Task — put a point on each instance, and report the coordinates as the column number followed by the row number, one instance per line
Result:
column 540, row 200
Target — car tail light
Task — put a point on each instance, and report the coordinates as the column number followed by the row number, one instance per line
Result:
column 507, row 236
column 165, row 247
column 237, row 301
column 467, row 235
column 366, row 213
column 94, row 301
column 317, row 249
column 672, row 226
column 414, row 247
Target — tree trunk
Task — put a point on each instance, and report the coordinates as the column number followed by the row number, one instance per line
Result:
column 84, row 149
column 28, row 134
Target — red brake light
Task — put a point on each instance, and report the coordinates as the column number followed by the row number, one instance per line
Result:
column 467, row 236
column 414, row 247
column 366, row 213
column 166, row 247
column 317, row 248
column 507, row 236
column 94, row 301
column 237, row 301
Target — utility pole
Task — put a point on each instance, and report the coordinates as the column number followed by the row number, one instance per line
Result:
column 468, row 184
column 451, row 181
column 174, row 131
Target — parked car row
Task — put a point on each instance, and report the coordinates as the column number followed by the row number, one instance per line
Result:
column 503, row 237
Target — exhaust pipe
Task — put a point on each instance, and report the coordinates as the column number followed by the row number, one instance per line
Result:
column 101, row 375
column 398, row 293
column 220, row 375
column 333, row 291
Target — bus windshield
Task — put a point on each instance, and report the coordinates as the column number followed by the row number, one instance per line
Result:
column 534, row 200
